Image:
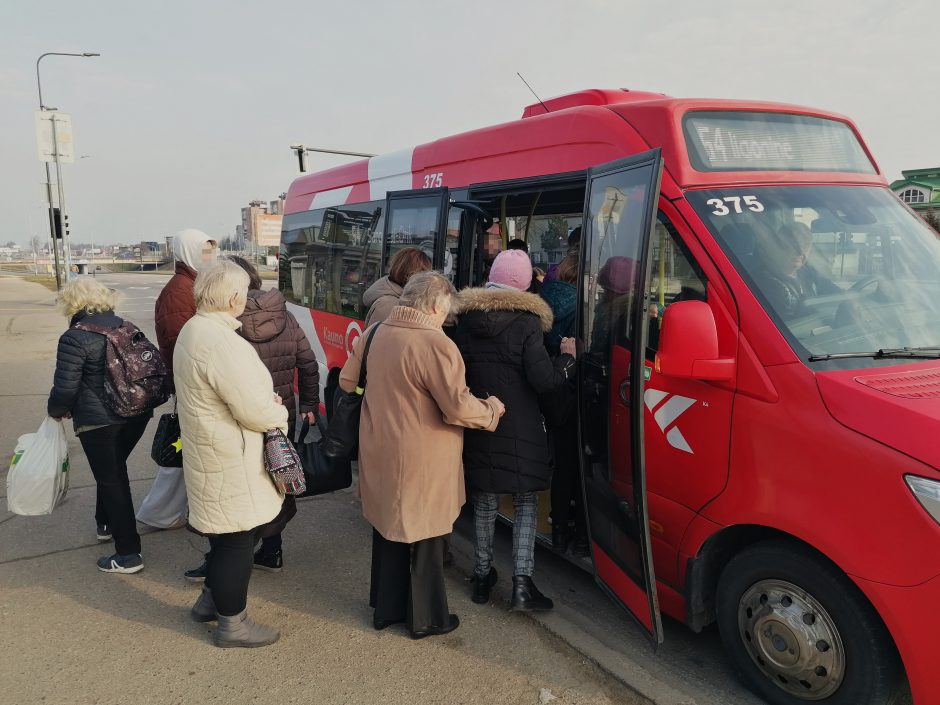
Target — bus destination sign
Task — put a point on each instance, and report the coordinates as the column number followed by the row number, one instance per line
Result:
column 766, row 141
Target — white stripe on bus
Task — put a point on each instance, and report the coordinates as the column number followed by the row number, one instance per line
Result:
column 331, row 198
column 390, row 172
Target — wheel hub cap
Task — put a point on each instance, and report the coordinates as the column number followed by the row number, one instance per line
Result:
column 792, row 639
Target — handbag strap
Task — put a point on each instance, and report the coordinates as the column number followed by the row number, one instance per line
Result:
column 361, row 386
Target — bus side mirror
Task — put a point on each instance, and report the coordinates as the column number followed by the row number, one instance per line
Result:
column 688, row 344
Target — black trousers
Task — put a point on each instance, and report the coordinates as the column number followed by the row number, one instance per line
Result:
column 566, row 479
column 228, row 570
column 107, row 450
column 408, row 582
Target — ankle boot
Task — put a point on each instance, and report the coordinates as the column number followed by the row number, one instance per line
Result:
column 526, row 597
column 482, row 587
column 239, row 631
column 204, row 609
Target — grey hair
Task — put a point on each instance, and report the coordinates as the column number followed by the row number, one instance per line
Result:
column 426, row 291
column 219, row 286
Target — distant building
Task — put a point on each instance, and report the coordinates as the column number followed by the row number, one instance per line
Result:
column 920, row 188
column 249, row 217
column 261, row 222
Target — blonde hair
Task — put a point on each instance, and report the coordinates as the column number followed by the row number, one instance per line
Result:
column 426, row 291
column 220, row 286
column 86, row 294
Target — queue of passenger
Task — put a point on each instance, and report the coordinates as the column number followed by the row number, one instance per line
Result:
column 231, row 351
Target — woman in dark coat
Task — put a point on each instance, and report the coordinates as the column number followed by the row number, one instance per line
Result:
column 106, row 438
column 561, row 294
column 284, row 349
column 500, row 335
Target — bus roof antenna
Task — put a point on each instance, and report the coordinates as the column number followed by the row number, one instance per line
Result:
column 533, row 92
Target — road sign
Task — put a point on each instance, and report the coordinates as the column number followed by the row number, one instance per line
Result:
column 54, row 131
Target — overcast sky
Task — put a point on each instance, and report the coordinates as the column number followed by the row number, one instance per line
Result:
column 189, row 111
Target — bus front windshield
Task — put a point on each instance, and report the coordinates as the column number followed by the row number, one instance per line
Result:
column 840, row 269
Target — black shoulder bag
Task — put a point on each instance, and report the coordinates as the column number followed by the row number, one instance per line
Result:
column 342, row 436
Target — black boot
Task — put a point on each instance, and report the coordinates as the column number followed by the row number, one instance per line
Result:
column 482, row 587
column 560, row 539
column 526, row 597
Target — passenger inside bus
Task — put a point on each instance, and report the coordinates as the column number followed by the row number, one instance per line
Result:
column 569, row 527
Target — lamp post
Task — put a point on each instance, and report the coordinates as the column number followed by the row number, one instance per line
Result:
column 42, row 107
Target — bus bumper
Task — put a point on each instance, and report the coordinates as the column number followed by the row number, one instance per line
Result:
column 913, row 619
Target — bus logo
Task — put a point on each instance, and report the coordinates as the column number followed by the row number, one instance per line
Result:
column 670, row 408
column 353, row 333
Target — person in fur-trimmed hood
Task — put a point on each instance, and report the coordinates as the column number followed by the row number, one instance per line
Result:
column 500, row 333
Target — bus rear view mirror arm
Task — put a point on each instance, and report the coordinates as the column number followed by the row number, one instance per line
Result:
column 688, row 344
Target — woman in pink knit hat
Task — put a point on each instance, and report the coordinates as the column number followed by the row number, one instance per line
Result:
column 500, row 333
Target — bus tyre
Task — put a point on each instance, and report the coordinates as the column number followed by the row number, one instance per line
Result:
column 797, row 629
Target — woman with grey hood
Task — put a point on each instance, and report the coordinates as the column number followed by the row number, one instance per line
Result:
column 164, row 507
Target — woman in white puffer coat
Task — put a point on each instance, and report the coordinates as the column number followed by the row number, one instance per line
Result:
column 226, row 402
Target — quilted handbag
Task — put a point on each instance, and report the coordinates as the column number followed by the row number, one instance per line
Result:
column 283, row 463
column 167, row 448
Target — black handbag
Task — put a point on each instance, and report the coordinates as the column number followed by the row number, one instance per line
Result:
column 167, row 448
column 342, row 437
column 322, row 474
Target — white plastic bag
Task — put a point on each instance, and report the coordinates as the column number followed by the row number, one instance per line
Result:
column 39, row 472
column 165, row 506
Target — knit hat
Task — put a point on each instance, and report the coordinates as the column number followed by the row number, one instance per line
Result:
column 512, row 268
column 617, row 274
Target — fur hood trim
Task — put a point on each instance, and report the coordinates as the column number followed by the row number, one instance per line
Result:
column 496, row 299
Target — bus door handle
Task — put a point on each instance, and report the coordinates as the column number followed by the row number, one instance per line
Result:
column 625, row 392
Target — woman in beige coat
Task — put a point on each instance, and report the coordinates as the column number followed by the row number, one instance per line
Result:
column 410, row 442
column 226, row 402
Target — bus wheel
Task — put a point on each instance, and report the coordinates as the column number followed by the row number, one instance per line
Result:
column 797, row 630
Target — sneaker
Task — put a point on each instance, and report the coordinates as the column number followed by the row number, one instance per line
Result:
column 197, row 575
column 116, row 563
column 104, row 532
column 272, row 562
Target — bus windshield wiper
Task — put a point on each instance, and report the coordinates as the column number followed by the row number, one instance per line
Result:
column 926, row 353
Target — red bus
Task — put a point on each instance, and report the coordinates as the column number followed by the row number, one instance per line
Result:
column 756, row 393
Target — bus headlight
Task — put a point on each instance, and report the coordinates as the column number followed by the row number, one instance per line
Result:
column 927, row 493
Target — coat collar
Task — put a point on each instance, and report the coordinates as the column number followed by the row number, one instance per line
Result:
column 222, row 318
column 185, row 270
column 494, row 299
column 407, row 317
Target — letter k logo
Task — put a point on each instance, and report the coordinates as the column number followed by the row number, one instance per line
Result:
column 666, row 408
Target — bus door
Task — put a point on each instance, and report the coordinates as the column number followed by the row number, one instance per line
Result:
column 416, row 218
column 619, row 213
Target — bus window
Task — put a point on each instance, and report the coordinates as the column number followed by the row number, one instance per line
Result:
column 674, row 276
column 412, row 222
column 452, row 245
column 300, row 230
column 344, row 259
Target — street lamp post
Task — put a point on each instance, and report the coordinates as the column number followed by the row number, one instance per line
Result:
column 61, row 194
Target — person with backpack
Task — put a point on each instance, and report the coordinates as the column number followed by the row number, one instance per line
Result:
column 164, row 507
column 99, row 359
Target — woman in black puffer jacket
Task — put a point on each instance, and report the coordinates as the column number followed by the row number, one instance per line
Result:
column 500, row 333
column 106, row 438
column 284, row 349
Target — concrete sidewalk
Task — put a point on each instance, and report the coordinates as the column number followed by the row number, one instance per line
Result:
column 73, row 635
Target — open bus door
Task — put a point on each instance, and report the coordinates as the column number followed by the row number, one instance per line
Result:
column 415, row 218
column 619, row 213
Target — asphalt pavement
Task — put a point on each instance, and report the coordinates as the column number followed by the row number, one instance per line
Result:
column 74, row 635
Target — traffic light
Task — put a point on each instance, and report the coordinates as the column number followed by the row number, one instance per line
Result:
column 61, row 223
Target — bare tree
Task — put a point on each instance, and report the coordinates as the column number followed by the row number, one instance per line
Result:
column 35, row 244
